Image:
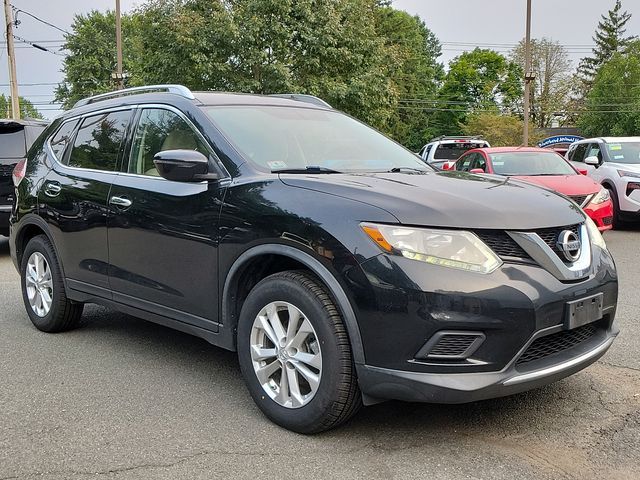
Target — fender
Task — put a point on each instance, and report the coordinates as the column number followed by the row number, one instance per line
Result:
column 229, row 323
column 18, row 232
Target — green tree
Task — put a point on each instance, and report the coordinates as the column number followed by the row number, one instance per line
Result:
column 551, row 89
column 479, row 80
column 609, row 39
column 92, row 56
column 412, row 52
column 27, row 109
column 499, row 130
column 613, row 103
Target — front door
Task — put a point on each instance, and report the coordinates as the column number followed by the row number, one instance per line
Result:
column 163, row 234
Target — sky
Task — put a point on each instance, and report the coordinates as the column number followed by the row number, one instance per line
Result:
column 459, row 24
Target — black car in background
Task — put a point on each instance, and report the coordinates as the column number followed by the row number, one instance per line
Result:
column 16, row 136
column 340, row 267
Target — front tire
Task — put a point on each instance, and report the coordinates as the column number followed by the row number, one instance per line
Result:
column 295, row 355
column 43, row 291
column 617, row 221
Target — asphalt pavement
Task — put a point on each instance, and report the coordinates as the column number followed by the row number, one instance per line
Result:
column 126, row 399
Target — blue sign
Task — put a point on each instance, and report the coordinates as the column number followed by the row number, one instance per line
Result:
column 557, row 139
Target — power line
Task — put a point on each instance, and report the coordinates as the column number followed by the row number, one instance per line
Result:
column 36, row 45
column 18, row 10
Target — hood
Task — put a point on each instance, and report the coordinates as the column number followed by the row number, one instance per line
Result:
column 629, row 167
column 564, row 184
column 449, row 199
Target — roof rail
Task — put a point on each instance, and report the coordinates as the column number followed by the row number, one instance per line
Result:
column 301, row 97
column 457, row 137
column 177, row 89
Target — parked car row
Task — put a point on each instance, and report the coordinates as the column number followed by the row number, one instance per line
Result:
column 342, row 269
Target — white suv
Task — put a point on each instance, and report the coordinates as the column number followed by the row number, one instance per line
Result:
column 443, row 150
column 615, row 163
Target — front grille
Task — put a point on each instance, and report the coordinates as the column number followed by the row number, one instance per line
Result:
column 579, row 199
column 453, row 345
column 502, row 244
column 557, row 342
column 550, row 236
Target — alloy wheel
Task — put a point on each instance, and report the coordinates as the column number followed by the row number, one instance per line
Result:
column 286, row 354
column 39, row 284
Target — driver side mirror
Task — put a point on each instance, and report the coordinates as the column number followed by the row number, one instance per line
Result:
column 592, row 161
column 183, row 166
column 476, row 170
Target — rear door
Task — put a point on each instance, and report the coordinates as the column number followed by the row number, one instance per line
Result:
column 163, row 234
column 74, row 196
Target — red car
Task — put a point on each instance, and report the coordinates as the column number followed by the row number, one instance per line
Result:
column 545, row 168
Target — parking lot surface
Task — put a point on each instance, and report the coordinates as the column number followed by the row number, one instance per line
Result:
column 123, row 398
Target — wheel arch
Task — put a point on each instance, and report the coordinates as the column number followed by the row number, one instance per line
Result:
column 31, row 226
column 289, row 258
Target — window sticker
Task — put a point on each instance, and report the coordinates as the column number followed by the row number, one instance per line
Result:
column 615, row 146
column 618, row 157
column 498, row 164
column 277, row 165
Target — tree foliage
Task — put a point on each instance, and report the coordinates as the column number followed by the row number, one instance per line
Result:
column 551, row 89
column 609, row 39
column 499, row 130
column 361, row 56
column 613, row 103
column 480, row 80
column 27, row 109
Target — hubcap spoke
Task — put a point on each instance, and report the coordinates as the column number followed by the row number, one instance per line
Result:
column 285, row 353
column 39, row 284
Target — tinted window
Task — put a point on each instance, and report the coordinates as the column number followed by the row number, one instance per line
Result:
column 530, row 163
column 98, row 141
column 276, row 138
column 452, row 151
column 62, row 138
column 624, row 152
column 12, row 142
column 578, row 154
column 160, row 130
column 464, row 163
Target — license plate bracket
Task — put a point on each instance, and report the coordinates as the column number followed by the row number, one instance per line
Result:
column 583, row 311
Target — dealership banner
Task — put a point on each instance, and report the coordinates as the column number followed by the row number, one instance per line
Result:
column 558, row 139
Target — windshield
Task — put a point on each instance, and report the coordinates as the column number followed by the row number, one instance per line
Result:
column 12, row 143
column 624, row 152
column 453, row 151
column 530, row 163
column 290, row 138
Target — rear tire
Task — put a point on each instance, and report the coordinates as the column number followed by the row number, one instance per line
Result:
column 43, row 290
column 299, row 372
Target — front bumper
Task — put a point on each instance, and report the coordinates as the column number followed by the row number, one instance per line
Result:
column 386, row 384
column 601, row 214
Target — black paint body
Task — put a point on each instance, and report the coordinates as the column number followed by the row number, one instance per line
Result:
column 183, row 254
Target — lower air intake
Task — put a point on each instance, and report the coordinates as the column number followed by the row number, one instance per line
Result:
column 451, row 345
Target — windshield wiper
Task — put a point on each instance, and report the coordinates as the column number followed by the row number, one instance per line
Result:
column 308, row 169
column 406, row 169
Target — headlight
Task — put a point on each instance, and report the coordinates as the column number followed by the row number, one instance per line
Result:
column 601, row 197
column 624, row 173
column 594, row 234
column 447, row 248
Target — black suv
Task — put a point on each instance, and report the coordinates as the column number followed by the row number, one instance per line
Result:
column 16, row 136
column 341, row 268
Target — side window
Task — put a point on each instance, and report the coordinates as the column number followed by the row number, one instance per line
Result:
column 479, row 162
column 98, row 141
column 464, row 163
column 62, row 138
column 594, row 151
column 571, row 151
column 426, row 151
column 578, row 154
column 160, row 130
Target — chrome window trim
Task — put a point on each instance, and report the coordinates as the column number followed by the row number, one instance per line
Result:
column 550, row 261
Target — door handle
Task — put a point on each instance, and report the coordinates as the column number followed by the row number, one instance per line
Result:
column 120, row 202
column 52, row 189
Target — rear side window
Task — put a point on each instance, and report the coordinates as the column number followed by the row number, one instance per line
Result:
column 578, row 154
column 98, row 141
column 62, row 138
column 12, row 142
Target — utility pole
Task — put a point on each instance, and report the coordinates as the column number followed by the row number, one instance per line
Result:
column 119, row 76
column 528, row 76
column 13, row 82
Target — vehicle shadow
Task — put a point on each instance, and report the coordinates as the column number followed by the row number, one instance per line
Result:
column 4, row 246
column 409, row 424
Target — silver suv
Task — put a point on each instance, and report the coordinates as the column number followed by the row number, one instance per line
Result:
column 615, row 163
column 445, row 150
